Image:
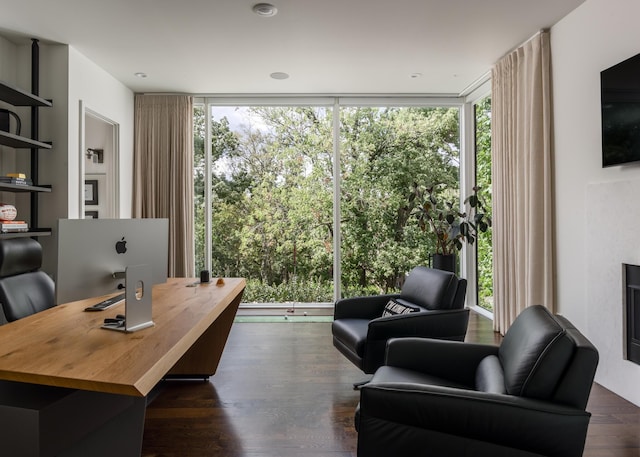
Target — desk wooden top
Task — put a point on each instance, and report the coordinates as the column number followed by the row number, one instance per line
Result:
column 65, row 346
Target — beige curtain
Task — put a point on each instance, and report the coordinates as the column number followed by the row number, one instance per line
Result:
column 163, row 171
column 522, row 181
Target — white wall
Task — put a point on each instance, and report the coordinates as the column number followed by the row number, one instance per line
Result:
column 7, row 62
column 105, row 95
column 597, row 221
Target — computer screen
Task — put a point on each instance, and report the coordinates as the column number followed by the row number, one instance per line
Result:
column 93, row 254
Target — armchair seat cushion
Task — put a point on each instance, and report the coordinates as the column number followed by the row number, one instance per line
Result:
column 394, row 375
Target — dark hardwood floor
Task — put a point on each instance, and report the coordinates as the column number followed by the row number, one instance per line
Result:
column 282, row 390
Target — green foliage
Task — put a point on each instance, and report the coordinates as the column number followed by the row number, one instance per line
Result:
column 307, row 290
column 436, row 209
column 272, row 196
column 383, row 152
column 483, row 179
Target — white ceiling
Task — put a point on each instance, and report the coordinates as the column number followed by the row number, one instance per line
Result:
column 326, row 46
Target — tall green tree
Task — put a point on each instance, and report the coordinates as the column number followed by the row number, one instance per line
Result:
column 483, row 179
column 273, row 195
column 384, row 152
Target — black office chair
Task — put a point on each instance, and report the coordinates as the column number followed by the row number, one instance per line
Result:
column 24, row 289
column 430, row 305
column 524, row 398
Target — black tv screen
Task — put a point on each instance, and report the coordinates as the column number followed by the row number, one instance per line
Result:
column 620, row 101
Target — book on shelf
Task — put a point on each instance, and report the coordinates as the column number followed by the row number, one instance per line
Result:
column 19, row 181
column 13, row 226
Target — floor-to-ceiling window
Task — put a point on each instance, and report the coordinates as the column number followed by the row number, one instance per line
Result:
column 482, row 112
column 385, row 152
column 268, row 202
column 271, row 200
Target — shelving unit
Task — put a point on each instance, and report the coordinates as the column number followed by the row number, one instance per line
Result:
column 20, row 188
column 18, row 97
column 20, row 142
column 31, row 233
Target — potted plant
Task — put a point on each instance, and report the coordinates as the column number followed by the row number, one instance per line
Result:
column 436, row 209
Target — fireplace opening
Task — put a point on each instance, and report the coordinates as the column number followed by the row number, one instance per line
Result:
column 632, row 312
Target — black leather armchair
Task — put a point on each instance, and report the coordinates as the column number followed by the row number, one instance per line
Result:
column 361, row 333
column 24, row 289
column 525, row 398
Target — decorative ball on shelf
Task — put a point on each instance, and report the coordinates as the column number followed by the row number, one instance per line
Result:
column 8, row 212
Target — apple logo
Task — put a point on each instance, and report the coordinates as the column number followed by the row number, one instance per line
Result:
column 121, row 246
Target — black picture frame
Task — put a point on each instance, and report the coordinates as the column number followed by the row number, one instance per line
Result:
column 91, row 215
column 91, row 192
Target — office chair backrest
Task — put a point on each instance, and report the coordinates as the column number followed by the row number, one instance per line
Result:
column 431, row 288
column 24, row 290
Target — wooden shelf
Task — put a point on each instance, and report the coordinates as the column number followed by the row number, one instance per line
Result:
column 18, row 97
column 30, row 233
column 5, row 187
column 20, row 142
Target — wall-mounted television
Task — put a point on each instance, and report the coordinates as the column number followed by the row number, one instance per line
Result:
column 620, row 103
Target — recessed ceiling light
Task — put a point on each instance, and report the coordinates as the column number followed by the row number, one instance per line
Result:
column 140, row 74
column 265, row 9
column 279, row 75
column 415, row 75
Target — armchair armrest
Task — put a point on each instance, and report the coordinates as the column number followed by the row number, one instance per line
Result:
column 452, row 360
column 446, row 323
column 521, row 423
column 366, row 307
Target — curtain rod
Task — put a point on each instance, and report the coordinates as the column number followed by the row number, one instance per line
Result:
column 302, row 95
column 476, row 84
column 545, row 30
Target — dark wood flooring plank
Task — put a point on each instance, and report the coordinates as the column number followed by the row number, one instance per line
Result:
column 283, row 390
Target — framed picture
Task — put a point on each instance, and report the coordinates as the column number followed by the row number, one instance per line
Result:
column 91, row 192
column 91, row 215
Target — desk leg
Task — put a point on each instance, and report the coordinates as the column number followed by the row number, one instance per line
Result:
column 44, row 421
column 121, row 436
column 202, row 359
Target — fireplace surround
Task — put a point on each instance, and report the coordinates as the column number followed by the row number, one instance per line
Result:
column 632, row 312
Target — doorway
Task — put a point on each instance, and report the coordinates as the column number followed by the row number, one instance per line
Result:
column 99, row 193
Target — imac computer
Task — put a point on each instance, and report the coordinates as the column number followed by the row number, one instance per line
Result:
column 93, row 254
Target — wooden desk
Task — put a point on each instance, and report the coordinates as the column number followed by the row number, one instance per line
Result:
column 65, row 347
